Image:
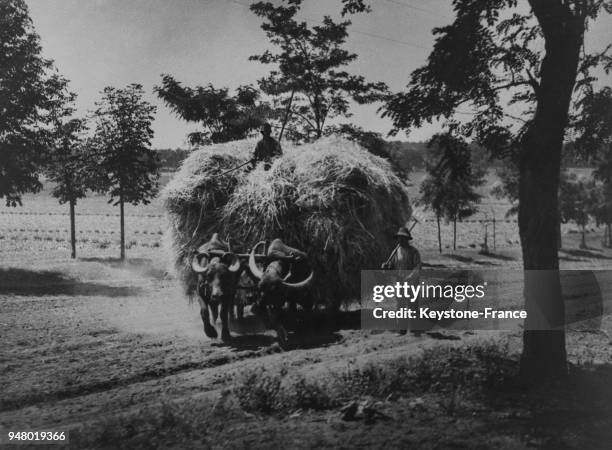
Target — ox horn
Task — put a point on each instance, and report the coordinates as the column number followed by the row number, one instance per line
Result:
column 301, row 284
column 253, row 267
column 235, row 264
column 196, row 265
column 288, row 273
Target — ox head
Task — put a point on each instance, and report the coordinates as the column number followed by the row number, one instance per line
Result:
column 273, row 279
column 217, row 267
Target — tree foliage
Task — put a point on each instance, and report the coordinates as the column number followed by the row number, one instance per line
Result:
column 450, row 188
column 224, row 117
column 29, row 90
column 579, row 199
column 309, row 75
column 594, row 137
column 68, row 166
column 593, row 130
column 491, row 49
column 121, row 146
column 508, row 187
column 453, row 178
column 171, row 159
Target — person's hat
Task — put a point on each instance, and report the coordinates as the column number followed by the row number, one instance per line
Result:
column 266, row 127
column 403, row 232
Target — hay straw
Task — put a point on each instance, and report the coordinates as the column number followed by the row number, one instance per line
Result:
column 331, row 198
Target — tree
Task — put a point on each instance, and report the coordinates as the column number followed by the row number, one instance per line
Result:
column 593, row 129
column 450, row 187
column 224, row 117
column 127, row 167
column 577, row 201
column 309, row 78
column 433, row 192
column 461, row 177
column 27, row 90
column 508, row 186
column 602, row 210
column 489, row 49
column 68, row 164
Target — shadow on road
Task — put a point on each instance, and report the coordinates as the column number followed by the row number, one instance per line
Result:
column 248, row 342
column 585, row 253
column 318, row 330
column 467, row 259
column 498, row 256
column 41, row 283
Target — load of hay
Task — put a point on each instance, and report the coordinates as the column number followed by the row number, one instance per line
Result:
column 333, row 199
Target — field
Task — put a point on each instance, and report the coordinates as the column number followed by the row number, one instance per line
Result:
column 114, row 353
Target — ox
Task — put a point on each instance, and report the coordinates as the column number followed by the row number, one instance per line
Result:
column 276, row 281
column 218, row 271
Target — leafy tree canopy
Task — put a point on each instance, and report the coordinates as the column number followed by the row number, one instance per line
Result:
column 491, row 48
column 309, row 73
column 121, row 146
column 578, row 198
column 593, row 128
column 29, row 90
column 68, row 165
column 224, row 117
column 450, row 188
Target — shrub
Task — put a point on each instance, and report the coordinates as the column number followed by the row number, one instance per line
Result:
column 259, row 391
column 448, row 370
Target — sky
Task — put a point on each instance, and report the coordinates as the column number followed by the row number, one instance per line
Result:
column 98, row 43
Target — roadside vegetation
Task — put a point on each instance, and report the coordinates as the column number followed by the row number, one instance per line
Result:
column 459, row 391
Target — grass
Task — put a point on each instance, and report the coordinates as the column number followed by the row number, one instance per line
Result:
column 277, row 395
column 149, row 429
column 442, row 370
column 468, row 394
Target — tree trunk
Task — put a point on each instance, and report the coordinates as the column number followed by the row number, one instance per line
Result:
column 72, row 230
column 122, row 231
column 494, row 238
column 455, row 234
column 544, row 356
column 559, row 236
column 439, row 234
column 287, row 114
column 608, row 236
column 583, row 237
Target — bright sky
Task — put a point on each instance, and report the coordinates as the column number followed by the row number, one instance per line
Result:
column 98, row 43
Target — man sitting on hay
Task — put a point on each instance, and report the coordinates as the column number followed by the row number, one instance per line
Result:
column 267, row 148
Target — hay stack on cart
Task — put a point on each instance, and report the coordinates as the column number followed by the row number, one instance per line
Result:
column 332, row 198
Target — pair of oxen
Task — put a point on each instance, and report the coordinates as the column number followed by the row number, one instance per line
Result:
column 278, row 277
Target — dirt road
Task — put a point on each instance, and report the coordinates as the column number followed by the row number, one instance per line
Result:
column 89, row 340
